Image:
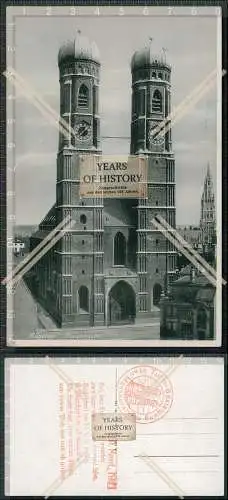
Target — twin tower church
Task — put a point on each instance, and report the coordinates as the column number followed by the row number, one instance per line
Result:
column 113, row 264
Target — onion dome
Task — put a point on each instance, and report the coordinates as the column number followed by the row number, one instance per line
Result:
column 80, row 48
column 146, row 57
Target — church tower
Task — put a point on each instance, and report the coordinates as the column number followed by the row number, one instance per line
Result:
column 151, row 106
column 207, row 215
column 79, row 253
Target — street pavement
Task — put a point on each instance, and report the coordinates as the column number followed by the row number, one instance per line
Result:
column 132, row 332
column 27, row 319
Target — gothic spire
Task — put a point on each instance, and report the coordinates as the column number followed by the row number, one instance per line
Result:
column 207, row 216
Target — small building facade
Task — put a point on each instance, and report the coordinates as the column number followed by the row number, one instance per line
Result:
column 187, row 311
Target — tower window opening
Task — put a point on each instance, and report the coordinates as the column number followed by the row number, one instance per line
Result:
column 83, row 96
column 154, row 74
column 157, row 101
column 160, row 75
column 119, row 250
column 83, row 295
column 83, row 219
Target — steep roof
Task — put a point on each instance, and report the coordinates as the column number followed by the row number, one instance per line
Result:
column 118, row 214
column 49, row 221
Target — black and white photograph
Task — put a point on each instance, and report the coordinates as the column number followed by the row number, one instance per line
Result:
column 123, row 89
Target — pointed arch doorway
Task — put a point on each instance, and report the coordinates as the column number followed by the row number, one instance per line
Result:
column 157, row 290
column 121, row 304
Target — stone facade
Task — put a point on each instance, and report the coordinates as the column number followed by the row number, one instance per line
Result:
column 113, row 264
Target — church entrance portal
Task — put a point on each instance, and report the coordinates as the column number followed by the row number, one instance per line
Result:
column 121, row 304
column 157, row 290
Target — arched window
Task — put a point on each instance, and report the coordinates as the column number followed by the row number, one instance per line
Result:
column 83, row 96
column 157, row 101
column 83, row 296
column 153, row 74
column 119, row 250
column 160, row 75
column 83, row 219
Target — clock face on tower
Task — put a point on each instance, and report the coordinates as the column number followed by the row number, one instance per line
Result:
column 83, row 130
column 155, row 138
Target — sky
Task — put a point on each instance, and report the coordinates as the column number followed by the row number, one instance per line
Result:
column 191, row 43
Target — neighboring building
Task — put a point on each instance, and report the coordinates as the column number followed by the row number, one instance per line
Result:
column 24, row 231
column 22, row 234
column 207, row 215
column 202, row 238
column 191, row 234
column 113, row 265
column 187, row 312
column 18, row 247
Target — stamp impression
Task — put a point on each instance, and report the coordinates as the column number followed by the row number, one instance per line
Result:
column 146, row 391
column 113, row 426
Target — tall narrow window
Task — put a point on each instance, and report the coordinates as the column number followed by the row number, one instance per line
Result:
column 157, row 101
column 83, row 96
column 83, row 295
column 119, row 250
column 141, row 109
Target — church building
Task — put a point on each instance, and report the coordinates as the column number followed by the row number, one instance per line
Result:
column 113, row 264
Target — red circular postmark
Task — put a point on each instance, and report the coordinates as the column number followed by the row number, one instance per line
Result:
column 145, row 391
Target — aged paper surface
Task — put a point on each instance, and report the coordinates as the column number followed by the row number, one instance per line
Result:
column 178, row 407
